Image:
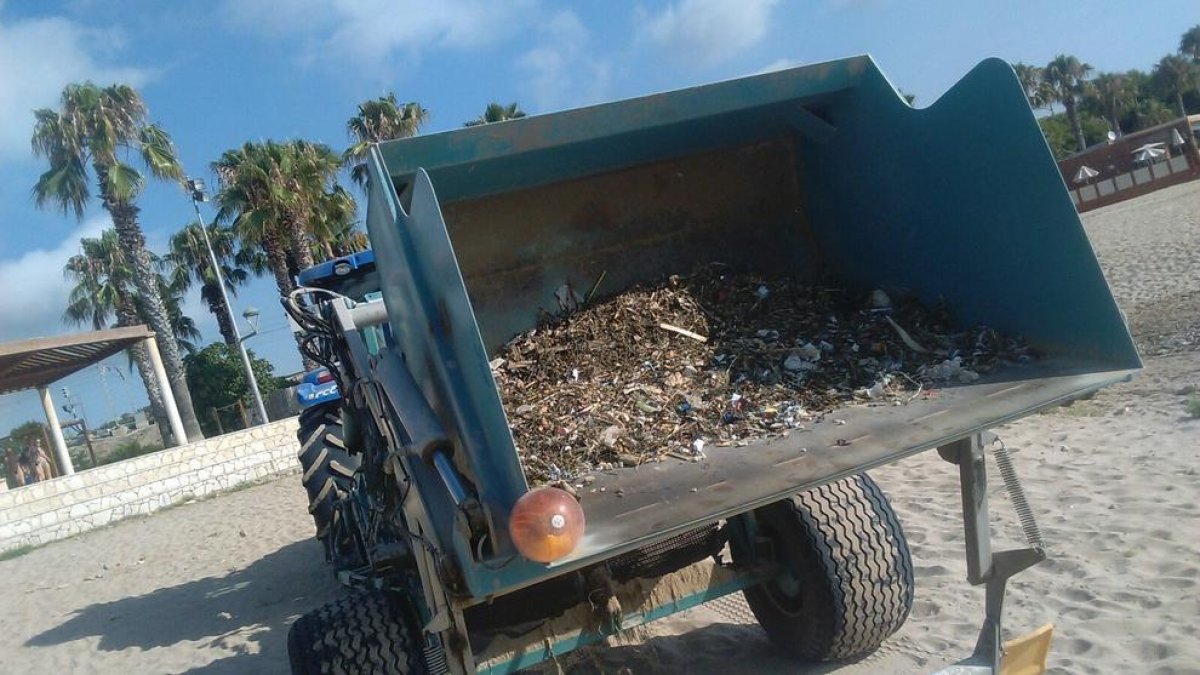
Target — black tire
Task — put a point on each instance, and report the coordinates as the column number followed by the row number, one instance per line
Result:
column 850, row 585
column 326, row 468
column 367, row 632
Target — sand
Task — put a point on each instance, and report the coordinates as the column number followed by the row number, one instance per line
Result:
column 212, row 586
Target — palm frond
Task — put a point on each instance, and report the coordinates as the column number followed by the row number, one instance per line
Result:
column 124, row 183
column 359, row 174
column 64, row 184
column 158, row 153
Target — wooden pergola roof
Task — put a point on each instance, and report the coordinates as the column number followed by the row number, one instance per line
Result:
column 25, row 364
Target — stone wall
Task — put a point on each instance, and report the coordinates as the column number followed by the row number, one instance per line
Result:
column 66, row 506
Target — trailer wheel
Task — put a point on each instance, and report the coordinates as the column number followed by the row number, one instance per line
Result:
column 848, row 579
column 367, row 632
column 327, row 469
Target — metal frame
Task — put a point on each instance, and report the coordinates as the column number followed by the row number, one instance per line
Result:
column 991, row 569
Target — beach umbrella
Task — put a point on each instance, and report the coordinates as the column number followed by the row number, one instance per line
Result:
column 1085, row 173
column 1149, row 152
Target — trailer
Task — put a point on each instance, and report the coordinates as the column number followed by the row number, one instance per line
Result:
column 817, row 171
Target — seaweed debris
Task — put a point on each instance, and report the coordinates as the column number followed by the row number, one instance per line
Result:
column 719, row 358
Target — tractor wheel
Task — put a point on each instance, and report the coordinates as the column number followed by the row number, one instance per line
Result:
column 847, row 583
column 327, row 469
column 366, row 632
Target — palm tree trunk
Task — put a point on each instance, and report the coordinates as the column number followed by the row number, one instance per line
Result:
column 277, row 260
column 127, row 316
column 1073, row 117
column 1179, row 100
column 298, row 248
column 133, row 242
column 218, row 308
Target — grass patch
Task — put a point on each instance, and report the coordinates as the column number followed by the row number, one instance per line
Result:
column 17, row 552
column 1193, row 407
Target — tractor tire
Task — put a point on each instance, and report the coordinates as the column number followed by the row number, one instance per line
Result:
column 326, row 468
column 848, row 580
column 366, row 632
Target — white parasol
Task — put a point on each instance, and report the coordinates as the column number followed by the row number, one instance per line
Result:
column 1085, row 173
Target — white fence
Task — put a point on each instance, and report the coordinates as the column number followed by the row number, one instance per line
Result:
column 66, row 506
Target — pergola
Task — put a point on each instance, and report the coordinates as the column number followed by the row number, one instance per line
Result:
column 40, row 362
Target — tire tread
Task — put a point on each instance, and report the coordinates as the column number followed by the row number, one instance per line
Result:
column 365, row 632
column 855, row 570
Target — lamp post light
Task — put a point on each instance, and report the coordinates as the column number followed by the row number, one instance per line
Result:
column 196, row 187
column 250, row 314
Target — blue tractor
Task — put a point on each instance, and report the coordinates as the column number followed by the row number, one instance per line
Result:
column 328, row 467
column 415, row 480
column 353, row 276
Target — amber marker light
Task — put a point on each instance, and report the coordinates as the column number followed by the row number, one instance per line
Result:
column 546, row 524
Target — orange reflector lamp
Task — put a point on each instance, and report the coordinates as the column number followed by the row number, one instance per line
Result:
column 546, row 524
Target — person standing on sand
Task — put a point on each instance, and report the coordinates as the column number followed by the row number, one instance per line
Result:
column 12, row 465
column 41, row 461
column 28, row 466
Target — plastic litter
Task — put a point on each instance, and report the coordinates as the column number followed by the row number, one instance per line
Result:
column 769, row 366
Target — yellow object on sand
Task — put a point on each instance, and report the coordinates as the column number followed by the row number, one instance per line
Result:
column 1027, row 654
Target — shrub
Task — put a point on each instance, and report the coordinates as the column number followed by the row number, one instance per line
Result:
column 129, row 450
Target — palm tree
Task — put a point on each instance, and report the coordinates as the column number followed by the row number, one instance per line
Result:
column 333, row 226
column 100, row 126
column 182, row 326
column 1033, row 82
column 307, row 171
column 1067, row 74
column 248, row 199
column 1175, row 75
column 276, row 198
column 1189, row 44
column 378, row 120
column 189, row 262
column 1113, row 96
column 1152, row 112
column 497, row 113
column 350, row 240
column 103, row 292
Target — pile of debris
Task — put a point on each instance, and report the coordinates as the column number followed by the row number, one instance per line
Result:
column 718, row 358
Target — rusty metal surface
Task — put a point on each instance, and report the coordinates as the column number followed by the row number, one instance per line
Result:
column 542, row 149
column 740, row 206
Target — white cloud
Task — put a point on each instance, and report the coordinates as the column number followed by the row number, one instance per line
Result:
column 38, row 57
column 373, row 31
column 560, row 70
column 777, row 64
column 707, row 32
column 35, row 291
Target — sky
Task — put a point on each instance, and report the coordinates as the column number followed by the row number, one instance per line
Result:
column 219, row 73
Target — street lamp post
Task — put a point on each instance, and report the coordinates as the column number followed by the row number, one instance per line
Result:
column 196, row 187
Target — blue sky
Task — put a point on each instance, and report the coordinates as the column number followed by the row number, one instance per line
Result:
column 221, row 72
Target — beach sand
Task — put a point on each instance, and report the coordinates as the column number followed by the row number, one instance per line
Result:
column 211, row 587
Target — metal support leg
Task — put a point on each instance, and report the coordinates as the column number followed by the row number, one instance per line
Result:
column 972, row 476
column 983, row 566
